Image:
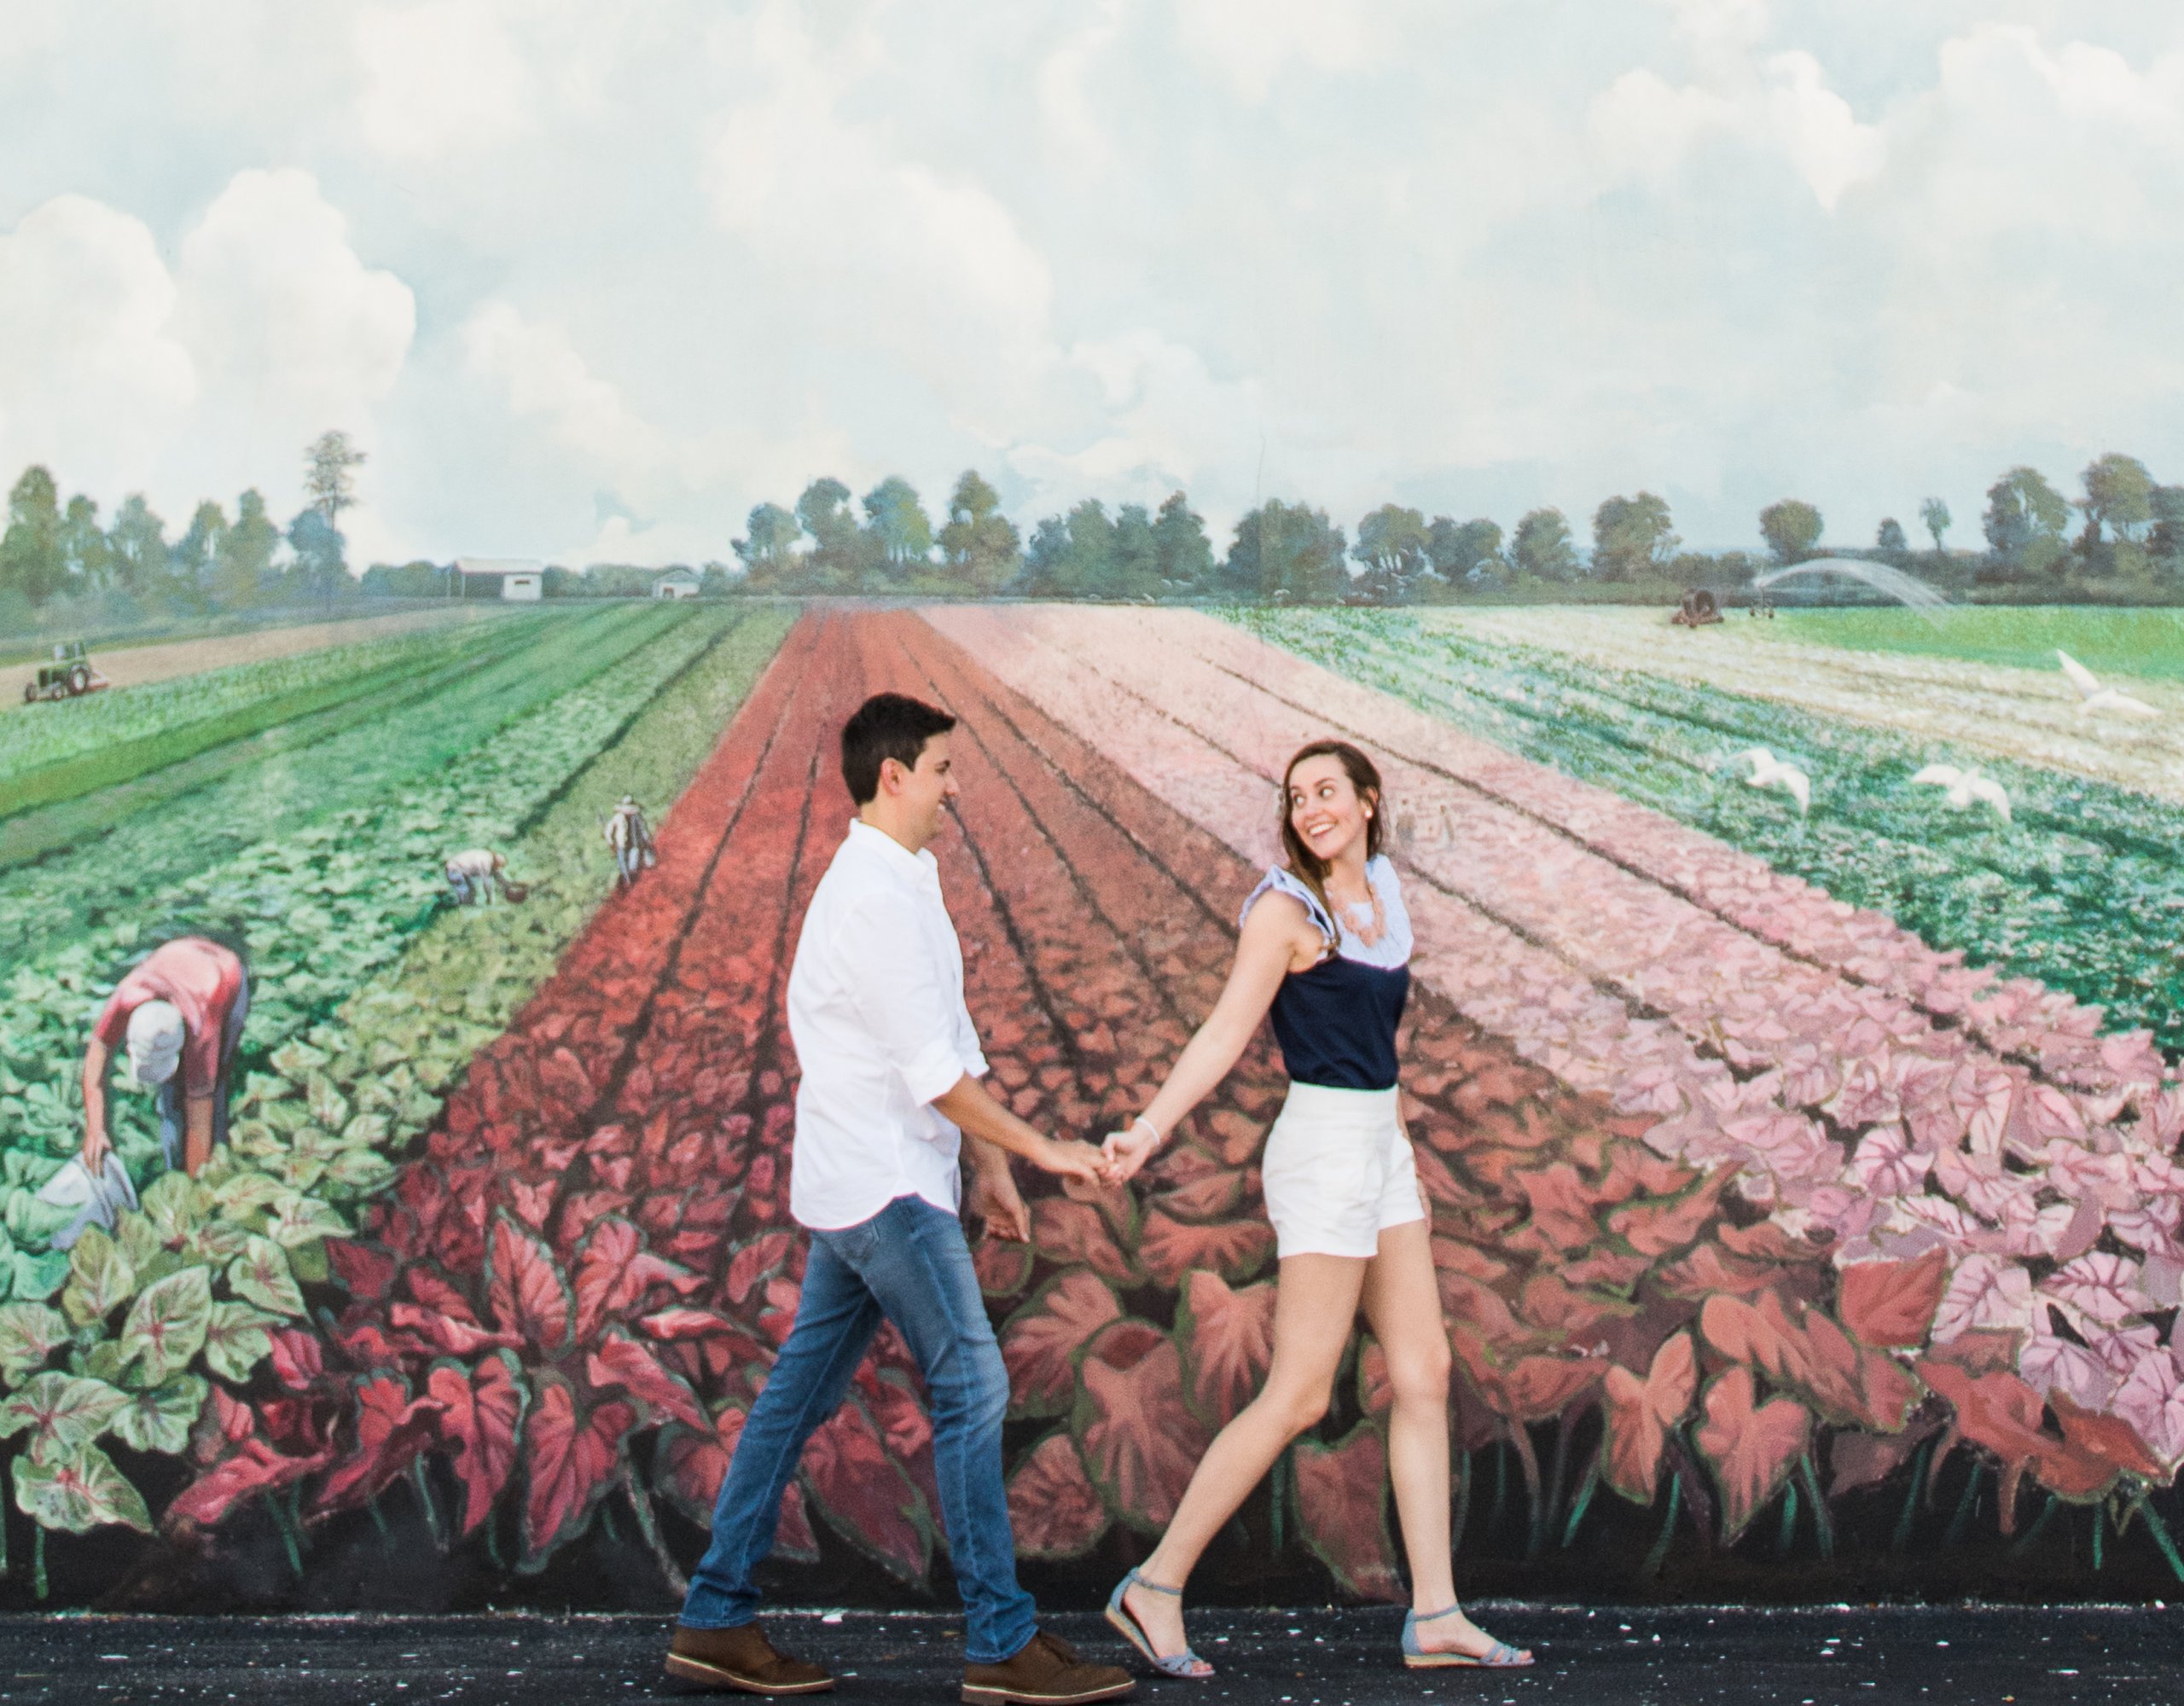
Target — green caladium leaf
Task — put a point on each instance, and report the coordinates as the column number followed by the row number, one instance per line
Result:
column 298, row 1219
column 29, row 1223
column 294, row 1060
column 247, row 1193
column 167, row 1324
column 215, row 1240
column 365, row 1130
column 62, row 1413
column 261, row 1275
column 307, row 1261
column 175, row 1204
column 100, row 1278
column 237, row 1340
column 254, row 1138
column 159, row 1418
column 140, row 1242
column 100, row 1360
column 29, row 1333
column 38, row 1277
column 329, row 1108
column 76, row 1494
column 361, row 1172
column 285, row 1117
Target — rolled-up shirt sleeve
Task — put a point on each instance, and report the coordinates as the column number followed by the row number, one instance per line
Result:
column 904, row 999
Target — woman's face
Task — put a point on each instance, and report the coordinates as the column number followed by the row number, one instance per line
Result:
column 1324, row 808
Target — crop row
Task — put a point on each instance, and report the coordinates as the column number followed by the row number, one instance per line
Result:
column 296, row 777
column 334, row 1095
column 2080, row 889
column 123, row 729
column 2038, row 1215
column 2024, row 716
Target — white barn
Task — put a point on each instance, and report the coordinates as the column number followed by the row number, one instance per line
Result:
column 523, row 579
column 676, row 583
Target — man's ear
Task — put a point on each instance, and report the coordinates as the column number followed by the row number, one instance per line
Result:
column 890, row 775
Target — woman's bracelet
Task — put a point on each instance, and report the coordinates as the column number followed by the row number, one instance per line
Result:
column 1150, row 1126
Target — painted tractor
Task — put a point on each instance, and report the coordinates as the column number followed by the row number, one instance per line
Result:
column 69, row 675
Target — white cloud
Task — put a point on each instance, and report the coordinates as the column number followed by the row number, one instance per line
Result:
column 439, row 77
column 1250, row 42
column 92, row 376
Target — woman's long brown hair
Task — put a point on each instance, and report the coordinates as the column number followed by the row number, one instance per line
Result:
column 1306, row 865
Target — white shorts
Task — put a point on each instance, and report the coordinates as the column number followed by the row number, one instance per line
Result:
column 1338, row 1172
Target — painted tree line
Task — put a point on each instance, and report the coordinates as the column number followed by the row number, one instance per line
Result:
column 56, row 554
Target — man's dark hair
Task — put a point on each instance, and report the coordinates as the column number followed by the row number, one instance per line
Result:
column 886, row 726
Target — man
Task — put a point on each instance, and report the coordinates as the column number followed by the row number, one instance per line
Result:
column 631, row 839
column 180, row 1015
column 472, row 875
column 890, row 1065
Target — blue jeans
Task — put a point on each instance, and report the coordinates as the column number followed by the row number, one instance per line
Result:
column 909, row 1264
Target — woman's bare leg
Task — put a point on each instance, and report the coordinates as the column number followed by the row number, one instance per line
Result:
column 1402, row 1302
column 1314, row 1308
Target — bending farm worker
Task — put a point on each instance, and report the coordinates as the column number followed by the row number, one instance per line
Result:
column 178, row 1017
column 473, row 875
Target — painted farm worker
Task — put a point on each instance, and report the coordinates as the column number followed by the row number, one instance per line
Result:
column 1325, row 946
column 890, row 1094
column 631, row 840
column 474, row 875
column 179, row 1016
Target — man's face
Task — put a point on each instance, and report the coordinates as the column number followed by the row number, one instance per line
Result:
column 925, row 790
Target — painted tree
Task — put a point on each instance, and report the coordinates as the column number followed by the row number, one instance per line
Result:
column 768, row 545
column 330, row 464
column 898, row 524
column 1540, row 547
column 137, row 546
column 1459, row 547
column 1632, row 537
column 1934, row 516
column 86, row 558
column 2025, row 520
column 980, row 545
column 31, row 565
column 246, row 560
column 1394, row 545
column 1288, row 553
column 1792, row 529
column 1890, row 540
column 2118, row 498
column 1182, row 554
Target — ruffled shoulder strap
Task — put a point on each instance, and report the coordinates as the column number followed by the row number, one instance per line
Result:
column 1280, row 880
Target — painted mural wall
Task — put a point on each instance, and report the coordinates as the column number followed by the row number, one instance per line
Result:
column 1799, row 1153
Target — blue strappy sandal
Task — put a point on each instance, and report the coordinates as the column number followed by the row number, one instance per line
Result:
column 1185, row 1664
column 1499, row 1657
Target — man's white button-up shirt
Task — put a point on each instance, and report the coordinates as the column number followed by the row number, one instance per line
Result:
column 875, row 1010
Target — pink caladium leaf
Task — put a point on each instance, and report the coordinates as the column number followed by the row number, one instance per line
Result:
column 2151, row 1400
column 2048, row 1364
column 2099, row 1287
column 1885, row 1164
column 1987, row 1294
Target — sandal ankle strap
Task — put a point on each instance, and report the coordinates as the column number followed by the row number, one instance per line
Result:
column 1155, row 1586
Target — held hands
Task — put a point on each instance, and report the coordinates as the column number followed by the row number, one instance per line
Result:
column 1129, row 1149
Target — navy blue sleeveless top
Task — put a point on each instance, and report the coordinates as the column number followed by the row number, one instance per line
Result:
column 1336, row 1021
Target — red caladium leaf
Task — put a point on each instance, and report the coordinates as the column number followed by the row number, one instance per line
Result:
column 621, row 1361
column 1528, row 1389
column 1856, row 1458
column 1004, row 1268
column 1996, row 1412
column 1054, row 1508
column 864, row 1496
column 254, row 1467
column 525, row 1288
column 1169, row 1249
column 756, row 1261
column 1562, row 1205
column 1069, row 1233
column 1661, row 1227
column 1342, row 1497
column 689, row 1466
column 1751, row 1447
column 298, row 1357
column 1139, row 1439
column 1640, row 1413
column 681, row 1322
column 391, row 1429
column 1893, row 1302
column 569, row 1462
column 1846, row 1383
column 481, row 1411
column 615, row 1271
column 1228, row 1340
column 367, row 1271
column 435, row 1291
column 2109, row 1438
column 445, row 1334
column 1040, row 1340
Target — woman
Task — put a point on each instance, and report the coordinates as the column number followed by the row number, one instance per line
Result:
column 1325, row 945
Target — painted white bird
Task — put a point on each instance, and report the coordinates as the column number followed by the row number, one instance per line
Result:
column 2093, row 698
column 1769, row 771
column 1966, row 786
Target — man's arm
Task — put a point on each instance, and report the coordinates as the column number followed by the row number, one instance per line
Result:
column 95, row 1144
column 197, row 1133
column 974, row 1111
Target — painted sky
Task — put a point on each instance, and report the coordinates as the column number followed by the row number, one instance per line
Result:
column 588, row 281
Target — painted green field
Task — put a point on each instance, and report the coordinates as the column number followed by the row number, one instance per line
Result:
column 2148, row 642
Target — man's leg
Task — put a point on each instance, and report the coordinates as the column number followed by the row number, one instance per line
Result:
column 231, row 1040
column 169, row 1100
column 920, row 1271
column 836, row 1317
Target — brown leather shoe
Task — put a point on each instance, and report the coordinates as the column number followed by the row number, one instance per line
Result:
column 1047, row 1672
column 741, row 1658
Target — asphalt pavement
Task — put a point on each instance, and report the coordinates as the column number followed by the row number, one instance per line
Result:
column 1678, row 1657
